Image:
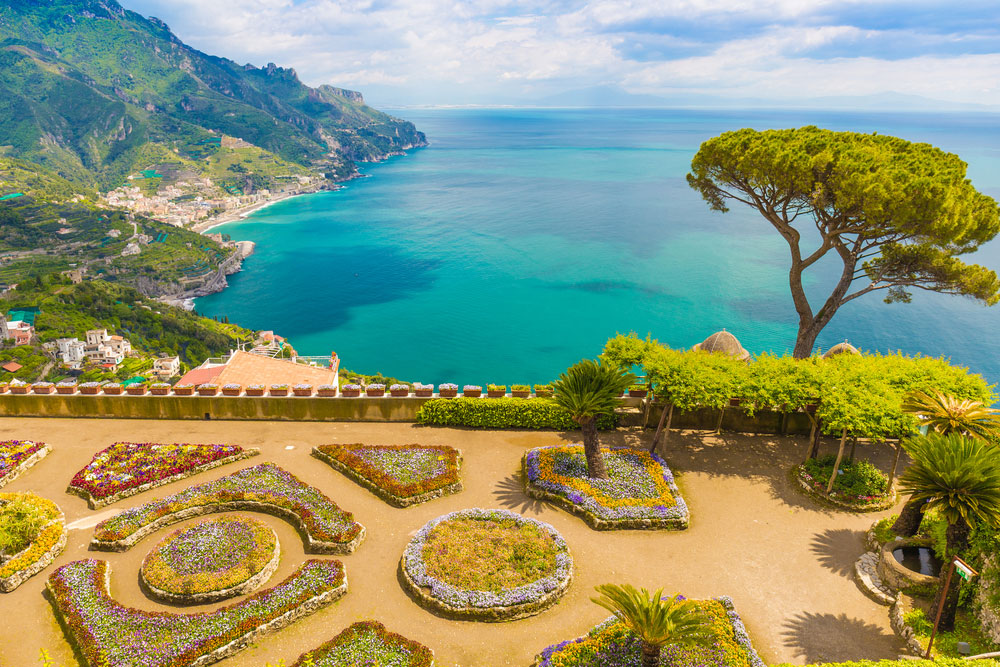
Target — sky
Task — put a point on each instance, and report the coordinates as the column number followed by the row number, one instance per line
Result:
column 494, row 52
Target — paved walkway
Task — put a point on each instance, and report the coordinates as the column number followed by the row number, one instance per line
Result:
column 786, row 560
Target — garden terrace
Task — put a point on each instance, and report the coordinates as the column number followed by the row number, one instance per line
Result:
column 487, row 565
column 325, row 528
column 611, row 644
column 33, row 535
column 402, row 475
column 105, row 632
column 213, row 560
column 640, row 491
column 368, row 642
column 126, row 468
column 16, row 456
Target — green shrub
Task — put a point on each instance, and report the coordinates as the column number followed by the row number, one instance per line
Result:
column 520, row 387
column 859, row 478
column 536, row 413
column 937, row 662
column 883, row 529
column 496, row 387
column 935, row 527
column 20, row 522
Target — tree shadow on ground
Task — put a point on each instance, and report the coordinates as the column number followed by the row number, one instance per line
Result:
column 830, row 638
column 837, row 549
column 764, row 457
column 509, row 492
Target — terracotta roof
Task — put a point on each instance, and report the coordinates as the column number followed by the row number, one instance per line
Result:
column 198, row 376
column 245, row 368
column 12, row 367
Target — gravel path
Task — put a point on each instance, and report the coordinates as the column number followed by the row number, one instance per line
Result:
column 786, row 561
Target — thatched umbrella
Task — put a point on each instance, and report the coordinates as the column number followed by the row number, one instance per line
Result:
column 841, row 348
column 726, row 343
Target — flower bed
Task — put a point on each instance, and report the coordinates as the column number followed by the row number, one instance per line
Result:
column 487, row 565
column 16, row 456
column 611, row 644
column 368, row 643
column 861, row 487
column 127, row 468
column 325, row 528
column 42, row 549
column 640, row 493
column 107, row 633
column 212, row 560
column 401, row 475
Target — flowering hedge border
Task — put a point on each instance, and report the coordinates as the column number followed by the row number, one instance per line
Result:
column 509, row 605
column 121, row 532
column 107, row 633
column 36, row 452
column 740, row 634
column 221, row 584
column 38, row 555
column 420, row 655
column 96, row 498
column 817, row 489
column 343, row 459
column 596, row 515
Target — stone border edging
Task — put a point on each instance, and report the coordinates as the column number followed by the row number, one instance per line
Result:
column 392, row 499
column 23, row 466
column 492, row 614
column 868, row 579
column 305, row 608
column 312, row 546
column 884, row 504
column 8, row 584
column 127, row 493
column 599, row 523
column 243, row 588
column 904, row 630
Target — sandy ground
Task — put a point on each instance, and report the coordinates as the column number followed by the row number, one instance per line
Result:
column 786, row 560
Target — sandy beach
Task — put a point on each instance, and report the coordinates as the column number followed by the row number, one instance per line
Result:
column 786, row 560
column 232, row 216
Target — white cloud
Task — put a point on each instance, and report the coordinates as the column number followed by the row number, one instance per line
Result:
column 507, row 50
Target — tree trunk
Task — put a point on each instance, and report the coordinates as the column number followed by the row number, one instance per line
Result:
column 668, row 415
column 854, row 446
column 836, row 464
column 814, row 435
column 811, row 325
column 650, row 655
column 718, row 424
column 909, row 519
column 958, row 541
column 592, row 450
column 895, row 462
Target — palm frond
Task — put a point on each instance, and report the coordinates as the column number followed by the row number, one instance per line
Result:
column 590, row 388
column 655, row 620
column 947, row 414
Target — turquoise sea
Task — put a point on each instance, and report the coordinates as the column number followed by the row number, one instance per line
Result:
column 521, row 239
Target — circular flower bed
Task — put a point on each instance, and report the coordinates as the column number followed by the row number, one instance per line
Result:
column 859, row 486
column 32, row 535
column 212, row 560
column 487, row 565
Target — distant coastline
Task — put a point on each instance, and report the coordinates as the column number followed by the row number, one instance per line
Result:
column 238, row 214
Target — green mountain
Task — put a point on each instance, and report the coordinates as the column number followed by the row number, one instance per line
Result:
column 95, row 92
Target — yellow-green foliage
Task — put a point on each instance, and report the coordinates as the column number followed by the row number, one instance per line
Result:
column 938, row 662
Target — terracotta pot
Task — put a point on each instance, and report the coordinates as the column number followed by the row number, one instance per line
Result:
column 43, row 390
column 424, row 393
column 3, row 387
column 232, row 392
column 303, row 392
column 183, row 391
column 20, row 389
column 447, row 393
column 472, row 393
column 278, row 392
column 496, row 393
column 520, row 394
column 374, row 393
column 66, row 390
column 327, row 393
column 159, row 391
column 735, row 402
column 637, row 393
column 350, row 393
column 543, row 393
column 90, row 391
column 136, row 391
column 254, row 391
column 399, row 393
column 113, row 391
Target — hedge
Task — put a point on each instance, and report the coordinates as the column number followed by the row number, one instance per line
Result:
column 536, row 413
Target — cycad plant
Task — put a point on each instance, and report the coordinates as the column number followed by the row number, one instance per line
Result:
column 960, row 478
column 588, row 389
column 657, row 622
column 945, row 415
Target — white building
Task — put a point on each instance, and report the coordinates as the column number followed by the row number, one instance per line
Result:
column 167, row 367
column 72, row 351
column 104, row 349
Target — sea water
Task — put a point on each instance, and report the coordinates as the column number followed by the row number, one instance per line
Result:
column 520, row 240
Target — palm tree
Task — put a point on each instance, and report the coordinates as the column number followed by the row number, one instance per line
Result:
column 945, row 415
column 960, row 477
column 658, row 622
column 588, row 389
